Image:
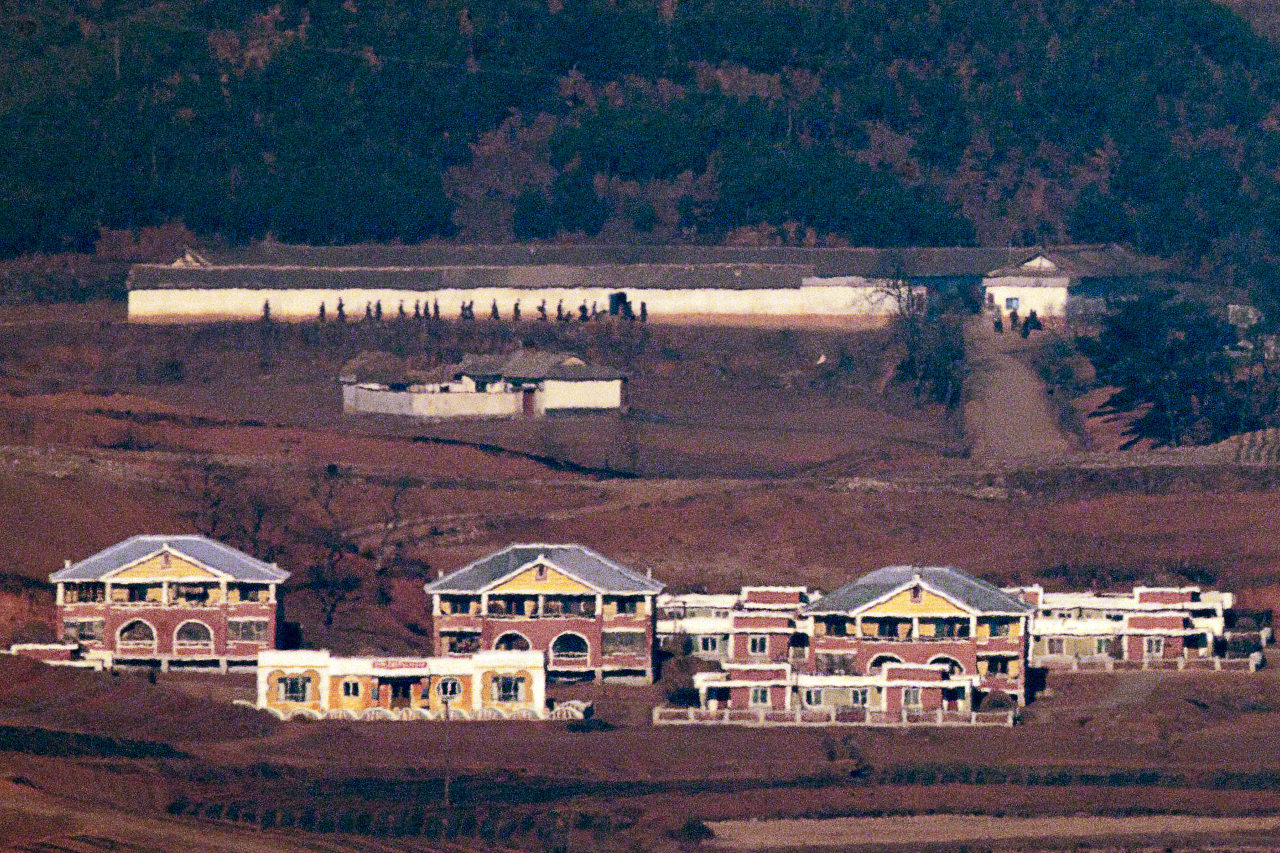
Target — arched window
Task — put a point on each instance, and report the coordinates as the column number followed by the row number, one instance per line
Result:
column 193, row 632
column 953, row 666
column 569, row 646
column 880, row 660
column 137, row 631
column 512, row 642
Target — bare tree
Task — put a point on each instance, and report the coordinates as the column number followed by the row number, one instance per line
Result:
column 334, row 570
column 908, row 321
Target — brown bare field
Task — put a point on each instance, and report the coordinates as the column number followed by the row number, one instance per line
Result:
column 910, row 832
column 744, row 462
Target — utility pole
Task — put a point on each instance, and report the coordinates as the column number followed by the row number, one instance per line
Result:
column 447, row 768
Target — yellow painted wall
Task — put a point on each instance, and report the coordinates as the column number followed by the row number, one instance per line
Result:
column 273, row 690
column 153, row 568
column 610, row 607
column 984, row 627
column 486, row 690
column 554, row 582
column 461, row 703
column 930, row 604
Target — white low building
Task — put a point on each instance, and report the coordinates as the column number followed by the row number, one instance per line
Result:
column 521, row 384
column 1049, row 280
column 1147, row 624
column 706, row 623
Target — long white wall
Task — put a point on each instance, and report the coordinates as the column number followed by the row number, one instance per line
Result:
column 425, row 404
column 826, row 297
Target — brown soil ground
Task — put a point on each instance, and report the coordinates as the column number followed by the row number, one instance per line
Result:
column 759, row 468
column 915, row 831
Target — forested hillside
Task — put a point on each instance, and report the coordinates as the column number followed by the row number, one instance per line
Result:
column 870, row 122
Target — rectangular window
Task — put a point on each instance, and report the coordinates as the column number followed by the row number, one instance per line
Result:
column 997, row 666
column 88, row 631
column 294, row 688
column 759, row 644
column 709, row 644
column 401, row 689
column 1011, row 303
column 247, row 630
column 457, row 606
column 622, row 642
column 1104, row 646
column 1056, row 646
column 350, row 688
column 759, row 695
column 508, row 688
column 1001, row 628
column 887, row 628
column 911, row 697
column 858, row 697
column 628, row 606
column 1155, row 647
column 837, row 628
column 813, row 696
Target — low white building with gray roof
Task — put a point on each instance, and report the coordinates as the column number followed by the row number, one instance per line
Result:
column 524, row 383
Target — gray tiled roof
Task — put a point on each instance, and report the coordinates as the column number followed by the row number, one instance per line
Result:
column 433, row 267
column 961, row 586
column 239, row 565
column 533, row 364
column 1085, row 261
column 575, row 560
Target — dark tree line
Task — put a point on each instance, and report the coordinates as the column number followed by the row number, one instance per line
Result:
column 1177, row 365
column 873, row 122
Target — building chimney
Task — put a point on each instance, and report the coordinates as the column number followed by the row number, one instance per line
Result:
column 66, row 564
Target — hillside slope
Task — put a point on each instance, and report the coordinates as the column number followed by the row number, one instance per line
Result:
column 875, row 122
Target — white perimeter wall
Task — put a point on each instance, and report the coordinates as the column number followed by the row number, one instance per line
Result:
column 430, row 404
column 1047, row 297
column 584, row 394
column 817, row 296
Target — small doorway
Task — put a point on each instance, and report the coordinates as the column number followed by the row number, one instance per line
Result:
column 618, row 304
column 527, row 402
column 401, row 691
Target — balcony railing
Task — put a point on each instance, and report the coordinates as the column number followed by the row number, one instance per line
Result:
column 843, row 716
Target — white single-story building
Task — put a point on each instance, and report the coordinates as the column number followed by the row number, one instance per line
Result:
column 520, row 384
column 1050, row 279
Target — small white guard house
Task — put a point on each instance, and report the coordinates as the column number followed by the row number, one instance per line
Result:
column 1047, row 281
column 521, row 384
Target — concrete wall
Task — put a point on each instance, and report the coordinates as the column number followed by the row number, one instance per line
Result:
column 585, row 394
column 429, row 404
column 844, row 296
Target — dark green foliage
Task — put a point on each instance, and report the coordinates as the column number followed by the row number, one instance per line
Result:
column 575, row 205
column 335, row 122
column 1169, row 356
column 532, row 217
column 1099, row 217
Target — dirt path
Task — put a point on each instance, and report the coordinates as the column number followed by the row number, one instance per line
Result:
column 944, row 829
column 1008, row 418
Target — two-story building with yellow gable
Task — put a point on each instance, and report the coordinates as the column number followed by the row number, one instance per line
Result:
column 922, row 615
column 592, row 617
column 493, row 685
column 161, row 600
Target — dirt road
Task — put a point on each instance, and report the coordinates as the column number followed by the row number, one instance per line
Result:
column 943, row 829
column 1007, row 418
